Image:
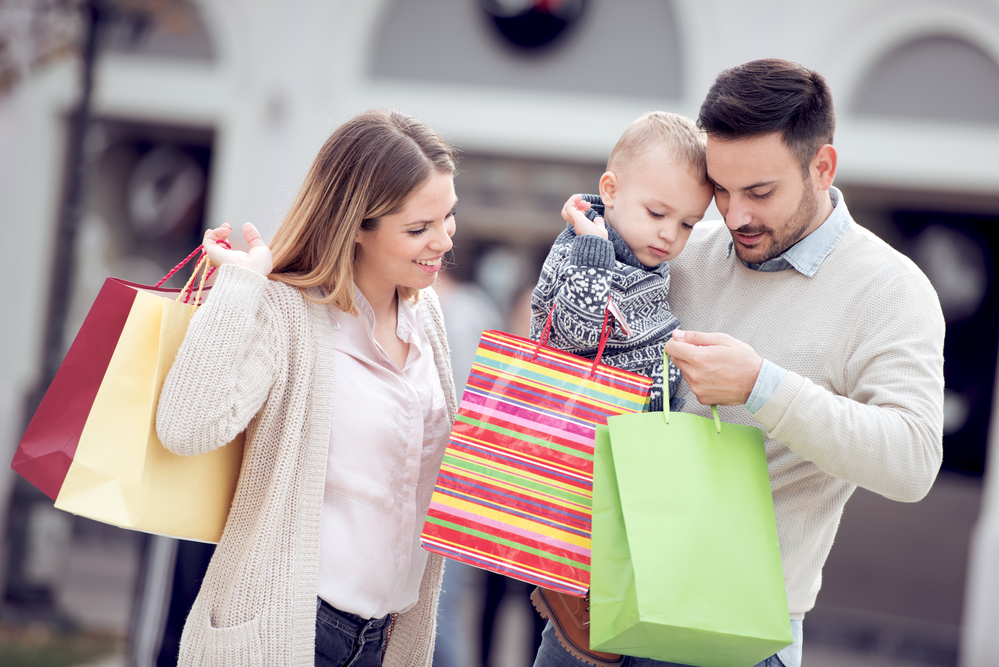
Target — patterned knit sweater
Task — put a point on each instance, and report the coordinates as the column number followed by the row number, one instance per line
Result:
column 862, row 404
column 258, row 357
column 578, row 275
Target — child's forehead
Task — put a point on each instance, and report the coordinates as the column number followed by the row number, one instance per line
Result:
column 653, row 160
column 649, row 155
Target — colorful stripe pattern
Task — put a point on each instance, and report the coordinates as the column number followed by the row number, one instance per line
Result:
column 515, row 489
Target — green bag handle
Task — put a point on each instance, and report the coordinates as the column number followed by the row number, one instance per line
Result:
column 714, row 407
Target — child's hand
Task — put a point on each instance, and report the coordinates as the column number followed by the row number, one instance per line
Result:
column 577, row 201
column 574, row 212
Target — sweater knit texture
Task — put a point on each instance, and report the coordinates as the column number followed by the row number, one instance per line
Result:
column 578, row 275
column 862, row 403
column 258, row 356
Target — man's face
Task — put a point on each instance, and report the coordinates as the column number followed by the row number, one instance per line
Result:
column 767, row 203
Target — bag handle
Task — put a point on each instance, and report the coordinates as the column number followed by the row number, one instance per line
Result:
column 714, row 406
column 202, row 265
column 605, row 331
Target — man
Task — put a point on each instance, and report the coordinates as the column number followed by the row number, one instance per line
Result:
column 803, row 323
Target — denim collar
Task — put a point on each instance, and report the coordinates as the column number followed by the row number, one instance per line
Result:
column 806, row 255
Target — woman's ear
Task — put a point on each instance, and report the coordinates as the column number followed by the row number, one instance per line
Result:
column 608, row 188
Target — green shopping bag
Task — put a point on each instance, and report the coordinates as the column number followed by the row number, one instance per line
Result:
column 685, row 562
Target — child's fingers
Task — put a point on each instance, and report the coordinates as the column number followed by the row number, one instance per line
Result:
column 574, row 202
column 576, row 217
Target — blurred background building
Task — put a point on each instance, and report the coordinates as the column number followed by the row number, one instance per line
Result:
column 204, row 111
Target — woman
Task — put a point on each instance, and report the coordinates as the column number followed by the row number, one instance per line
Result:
column 320, row 559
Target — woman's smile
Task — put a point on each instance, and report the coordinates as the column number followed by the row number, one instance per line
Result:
column 429, row 265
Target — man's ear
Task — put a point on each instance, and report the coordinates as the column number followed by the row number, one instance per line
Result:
column 823, row 167
column 608, row 188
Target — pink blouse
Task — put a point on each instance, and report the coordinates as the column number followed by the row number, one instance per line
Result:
column 390, row 428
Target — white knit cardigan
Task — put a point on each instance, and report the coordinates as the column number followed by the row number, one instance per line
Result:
column 258, row 356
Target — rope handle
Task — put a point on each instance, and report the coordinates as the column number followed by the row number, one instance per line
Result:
column 203, row 265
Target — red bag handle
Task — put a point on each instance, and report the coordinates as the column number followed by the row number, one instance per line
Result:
column 605, row 331
column 189, row 287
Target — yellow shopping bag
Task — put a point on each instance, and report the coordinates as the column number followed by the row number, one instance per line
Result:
column 92, row 444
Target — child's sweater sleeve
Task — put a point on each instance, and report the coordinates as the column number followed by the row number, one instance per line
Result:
column 576, row 277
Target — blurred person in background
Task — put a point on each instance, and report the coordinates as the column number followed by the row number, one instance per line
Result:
column 468, row 311
column 499, row 588
column 471, row 598
column 805, row 323
column 320, row 562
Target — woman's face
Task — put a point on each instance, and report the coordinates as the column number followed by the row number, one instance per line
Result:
column 407, row 246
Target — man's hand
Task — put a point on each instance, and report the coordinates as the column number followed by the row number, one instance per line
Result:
column 718, row 368
column 574, row 212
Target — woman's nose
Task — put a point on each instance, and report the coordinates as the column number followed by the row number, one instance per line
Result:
column 442, row 235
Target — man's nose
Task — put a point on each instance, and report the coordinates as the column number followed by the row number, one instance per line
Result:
column 738, row 213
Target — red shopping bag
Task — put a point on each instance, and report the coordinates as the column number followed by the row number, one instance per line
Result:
column 92, row 446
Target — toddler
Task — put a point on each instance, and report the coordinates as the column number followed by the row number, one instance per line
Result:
column 618, row 245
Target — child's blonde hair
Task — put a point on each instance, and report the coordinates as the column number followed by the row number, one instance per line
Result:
column 674, row 136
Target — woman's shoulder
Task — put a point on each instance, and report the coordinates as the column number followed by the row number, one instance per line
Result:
column 429, row 304
column 429, row 296
column 289, row 298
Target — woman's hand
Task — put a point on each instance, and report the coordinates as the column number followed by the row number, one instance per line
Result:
column 574, row 212
column 257, row 259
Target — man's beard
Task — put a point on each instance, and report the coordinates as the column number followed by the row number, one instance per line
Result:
column 776, row 242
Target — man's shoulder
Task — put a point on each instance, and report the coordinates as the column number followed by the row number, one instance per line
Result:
column 877, row 278
column 709, row 229
column 861, row 251
column 708, row 234
column 708, row 240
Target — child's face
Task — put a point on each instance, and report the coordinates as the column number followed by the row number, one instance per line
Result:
column 653, row 204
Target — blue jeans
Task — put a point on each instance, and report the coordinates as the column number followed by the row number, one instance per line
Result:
column 551, row 654
column 347, row 640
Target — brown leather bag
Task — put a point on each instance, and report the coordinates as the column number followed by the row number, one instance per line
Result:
column 570, row 617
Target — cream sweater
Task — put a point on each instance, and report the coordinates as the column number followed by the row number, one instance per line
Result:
column 258, row 357
column 862, row 404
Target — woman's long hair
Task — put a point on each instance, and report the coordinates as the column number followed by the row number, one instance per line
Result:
column 368, row 168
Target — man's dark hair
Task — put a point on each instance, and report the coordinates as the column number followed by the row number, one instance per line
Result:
column 766, row 96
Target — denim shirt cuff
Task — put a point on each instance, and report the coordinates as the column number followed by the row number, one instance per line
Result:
column 771, row 375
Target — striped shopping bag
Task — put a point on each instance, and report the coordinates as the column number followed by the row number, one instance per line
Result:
column 514, row 491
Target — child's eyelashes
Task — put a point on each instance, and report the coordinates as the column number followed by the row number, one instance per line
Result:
column 655, row 215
